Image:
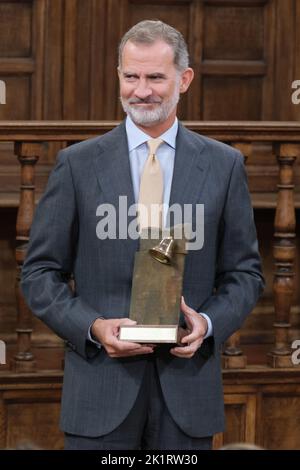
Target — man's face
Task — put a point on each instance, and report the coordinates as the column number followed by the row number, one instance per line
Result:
column 149, row 82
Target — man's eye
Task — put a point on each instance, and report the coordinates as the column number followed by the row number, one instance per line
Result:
column 130, row 77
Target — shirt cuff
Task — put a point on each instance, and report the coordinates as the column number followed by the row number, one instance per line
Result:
column 209, row 325
column 89, row 337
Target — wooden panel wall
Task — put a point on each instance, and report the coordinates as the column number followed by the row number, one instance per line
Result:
column 22, row 58
column 244, row 53
column 261, row 409
column 59, row 58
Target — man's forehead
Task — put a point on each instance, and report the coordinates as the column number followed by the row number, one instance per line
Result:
column 158, row 52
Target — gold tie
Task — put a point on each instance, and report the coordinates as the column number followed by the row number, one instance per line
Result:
column 151, row 189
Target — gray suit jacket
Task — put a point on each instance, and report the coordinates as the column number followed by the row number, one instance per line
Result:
column 223, row 279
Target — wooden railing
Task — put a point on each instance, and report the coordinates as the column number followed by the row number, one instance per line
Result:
column 284, row 137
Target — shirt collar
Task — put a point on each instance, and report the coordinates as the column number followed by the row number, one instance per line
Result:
column 137, row 137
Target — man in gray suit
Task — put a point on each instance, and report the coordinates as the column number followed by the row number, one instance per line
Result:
column 123, row 395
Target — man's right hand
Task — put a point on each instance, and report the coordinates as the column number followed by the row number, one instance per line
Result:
column 107, row 333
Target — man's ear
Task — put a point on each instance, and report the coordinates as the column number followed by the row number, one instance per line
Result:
column 186, row 79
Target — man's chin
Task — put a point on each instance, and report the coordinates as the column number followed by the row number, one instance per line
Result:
column 143, row 120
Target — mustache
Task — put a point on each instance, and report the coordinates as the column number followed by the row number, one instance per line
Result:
column 148, row 100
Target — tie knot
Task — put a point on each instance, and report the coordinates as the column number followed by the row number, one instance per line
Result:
column 153, row 145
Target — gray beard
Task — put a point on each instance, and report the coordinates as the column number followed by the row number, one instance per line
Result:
column 147, row 118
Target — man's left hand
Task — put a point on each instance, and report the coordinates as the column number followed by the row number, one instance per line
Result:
column 193, row 336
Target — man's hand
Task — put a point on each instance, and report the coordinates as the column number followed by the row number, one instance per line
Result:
column 193, row 336
column 107, row 332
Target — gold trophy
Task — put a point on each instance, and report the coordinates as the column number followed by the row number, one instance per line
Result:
column 156, row 289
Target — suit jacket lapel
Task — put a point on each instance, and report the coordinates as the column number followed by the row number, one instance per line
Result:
column 113, row 167
column 114, row 175
column 190, row 167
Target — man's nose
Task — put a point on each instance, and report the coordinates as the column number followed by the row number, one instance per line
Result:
column 143, row 90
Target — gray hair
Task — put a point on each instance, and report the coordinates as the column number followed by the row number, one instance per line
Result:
column 149, row 31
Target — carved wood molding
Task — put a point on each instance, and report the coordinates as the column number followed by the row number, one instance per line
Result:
column 231, row 131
